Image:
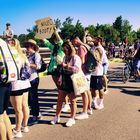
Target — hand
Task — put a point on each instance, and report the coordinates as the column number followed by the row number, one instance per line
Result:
column 54, row 28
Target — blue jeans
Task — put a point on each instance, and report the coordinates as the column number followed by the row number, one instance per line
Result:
column 33, row 97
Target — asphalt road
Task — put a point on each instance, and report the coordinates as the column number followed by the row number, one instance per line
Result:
column 119, row 120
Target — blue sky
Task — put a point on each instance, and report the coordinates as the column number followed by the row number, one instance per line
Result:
column 22, row 13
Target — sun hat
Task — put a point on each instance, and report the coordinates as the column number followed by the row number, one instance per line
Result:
column 32, row 43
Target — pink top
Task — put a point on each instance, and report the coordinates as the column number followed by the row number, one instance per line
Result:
column 82, row 52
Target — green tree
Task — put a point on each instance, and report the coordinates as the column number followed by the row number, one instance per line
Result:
column 138, row 33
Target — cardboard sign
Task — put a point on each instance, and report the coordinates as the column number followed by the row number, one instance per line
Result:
column 44, row 28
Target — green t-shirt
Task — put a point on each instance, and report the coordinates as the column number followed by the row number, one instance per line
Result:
column 53, row 62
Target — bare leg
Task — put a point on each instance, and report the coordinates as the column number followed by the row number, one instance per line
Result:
column 73, row 104
column 16, row 102
column 25, row 109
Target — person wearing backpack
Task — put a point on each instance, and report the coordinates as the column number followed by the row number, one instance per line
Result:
column 35, row 64
column 54, row 67
column 96, row 81
column 86, row 97
column 5, row 89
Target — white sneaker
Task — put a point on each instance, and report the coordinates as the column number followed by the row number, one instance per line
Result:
column 101, row 106
column 95, row 105
column 54, row 106
column 16, row 134
column 90, row 111
column 55, row 120
column 82, row 116
column 70, row 122
column 105, row 91
column 66, row 108
column 25, row 129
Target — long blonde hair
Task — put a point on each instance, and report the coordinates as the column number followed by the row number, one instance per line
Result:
column 17, row 46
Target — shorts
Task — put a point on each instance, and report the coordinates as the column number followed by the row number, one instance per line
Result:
column 105, row 68
column 5, row 90
column 96, row 82
column 19, row 92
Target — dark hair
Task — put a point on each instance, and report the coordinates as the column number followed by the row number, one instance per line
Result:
column 70, row 47
column 33, row 46
column 8, row 24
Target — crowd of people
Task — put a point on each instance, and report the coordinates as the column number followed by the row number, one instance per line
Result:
column 67, row 58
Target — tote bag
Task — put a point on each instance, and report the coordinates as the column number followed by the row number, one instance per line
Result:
column 80, row 84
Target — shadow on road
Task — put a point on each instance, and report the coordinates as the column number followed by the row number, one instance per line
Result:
column 127, row 89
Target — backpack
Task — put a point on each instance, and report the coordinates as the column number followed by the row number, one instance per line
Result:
column 93, row 58
column 10, row 70
column 43, row 66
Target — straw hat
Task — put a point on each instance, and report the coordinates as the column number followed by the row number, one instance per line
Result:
column 33, row 44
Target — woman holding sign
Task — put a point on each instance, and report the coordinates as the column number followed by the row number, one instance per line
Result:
column 56, row 56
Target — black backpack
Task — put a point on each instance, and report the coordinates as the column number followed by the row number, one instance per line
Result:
column 43, row 66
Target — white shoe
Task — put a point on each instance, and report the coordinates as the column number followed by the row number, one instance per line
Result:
column 105, row 91
column 16, row 134
column 90, row 111
column 70, row 122
column 25, row 129
column 95, row 105
column 66, row 108
column 82, row 116
column 101, row 106
column 55, row 120
column 54, row 106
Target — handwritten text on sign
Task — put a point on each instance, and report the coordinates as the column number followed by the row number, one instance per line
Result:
column 44, row 28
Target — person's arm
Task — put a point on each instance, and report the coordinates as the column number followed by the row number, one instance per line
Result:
column 57, row 34
column 48, row 44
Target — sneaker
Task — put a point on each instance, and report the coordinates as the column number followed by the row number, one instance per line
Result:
column 25, row 129
column 101, row 106
column 90, row 111
column 66, row 108
column 54, row 106
column 16, row 134
column 105, row 91
column 95, row 105
column 70, row 122
column 82, row 116
column 33, row 121
column 55, row 120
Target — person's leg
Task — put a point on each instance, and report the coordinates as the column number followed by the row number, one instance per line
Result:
column 8, row 126
column 85, row 101
column 25, row 109
column 16, row 102
column 2, row 128
column 71, row 120
column 60, row 100
column 72, row 98
column 89, row 99
column 33, row 93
